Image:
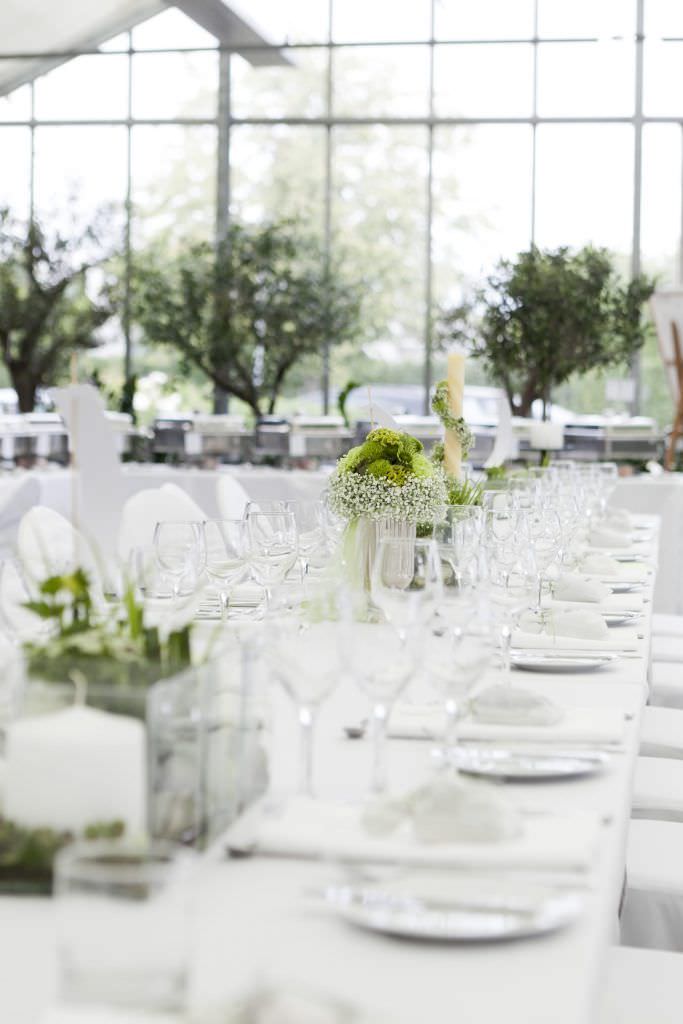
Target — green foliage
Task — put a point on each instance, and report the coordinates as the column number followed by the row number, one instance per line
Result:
column 549, row 314
column 441, row 406
column 117, row 650
column 343, row 396
column 46, row 313
column 26, row 855
column 390, row 455
column 495, row 472
column 244, row 312
column 464, row 492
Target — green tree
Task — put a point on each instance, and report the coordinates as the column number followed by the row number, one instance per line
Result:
column 547, row 315
column 46, row 311
column 248, row 309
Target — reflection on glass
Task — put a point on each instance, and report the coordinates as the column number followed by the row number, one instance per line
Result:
column 485, row 19
column 15, row 146
column 662, row 92
column 584, row 189
column 297, row 89
column 661, row 205
column 170, row 29
column 603, row 88
column 190, row 83
column 483, row 81
column 586, row 18
column 85, row 88
column 381, row 81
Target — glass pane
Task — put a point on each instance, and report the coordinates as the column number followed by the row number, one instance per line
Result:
column 118, row 43
column 586, row 18
column 483, row 81
column 170, row 85
column 662, row 82
column 379, row 221
column 381, row 81
column 485, row 19
column 15, row 179
column 586, row 79
column 85, row 88
column 294, row 21
column 664, row 18
column 276, row 172
column 16, row 105
column 170, row 30
column 661, row 201
column 584, row 187
column 357, row 21
column 174, row 181
column 79, row 171
column 482, row 202
column 295, row 91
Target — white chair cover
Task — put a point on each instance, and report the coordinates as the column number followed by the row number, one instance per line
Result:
column 232, row 497
column 17, row 620
column 658, row 790
column 652, row 915
column 661, row 732
column 145, row 509
column 667, row 648
column 22, row 496
column 667, row 625
column 642, row 986
column 48, row 545
column 666, row 688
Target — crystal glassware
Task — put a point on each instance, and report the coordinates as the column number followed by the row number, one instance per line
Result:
column 273, row 546
column 179, row 550
column 226, row 551
column 406, row 580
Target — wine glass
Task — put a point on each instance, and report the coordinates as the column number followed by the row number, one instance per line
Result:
column 381, row 659
column 406, row 581
column 457, row 532
column 607, row 478
column 179, row 549
column 273, row 547
column 544, row 531
column 302, row 651
column 508, row 593
column 453, row 667
column 225, row 543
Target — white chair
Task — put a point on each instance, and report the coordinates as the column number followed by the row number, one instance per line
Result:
column 666, row 684
column 48, row 545
column 642, row 986
column 667, row 625
column 667, row 648
column 232, row 497
column 17, row 620
column 661, row 732
column 22, row 495
column 658, row 790
column 652, row 914
column 142, row 511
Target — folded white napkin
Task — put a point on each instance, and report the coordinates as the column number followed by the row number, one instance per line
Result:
column 604, row 537
column 317, row 829
column 612, row 604
column 627, row 641
column 573, row 587
column 609, row 569
column 580, row 623
column 619, row 519
column 577, row 725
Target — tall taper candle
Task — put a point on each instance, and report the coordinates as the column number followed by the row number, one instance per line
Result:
column 456, row 387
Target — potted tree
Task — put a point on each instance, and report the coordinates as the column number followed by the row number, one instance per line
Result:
column 549, row 314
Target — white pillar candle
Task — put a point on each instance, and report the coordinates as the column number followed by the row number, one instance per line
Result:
column 456, row 388
column 75, row 767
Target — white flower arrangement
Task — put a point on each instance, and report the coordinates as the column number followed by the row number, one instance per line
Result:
column 353, row 496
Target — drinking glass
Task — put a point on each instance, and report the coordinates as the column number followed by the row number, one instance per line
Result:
column 302, row 650
column 607, row 478
column 381, row 659
column 457, row 532
column 508, row 592
column 273, row 547
column 179, row 549
column 122, row 913
column 544, row 532
column 406, row 580
column 225, row 543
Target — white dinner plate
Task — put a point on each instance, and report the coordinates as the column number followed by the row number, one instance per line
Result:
column 549, row 661
column 623, row 586
column 525, row 766
column 497, row 912
column 619, row 618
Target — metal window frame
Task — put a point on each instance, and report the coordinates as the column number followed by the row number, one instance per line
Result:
column 225, row 121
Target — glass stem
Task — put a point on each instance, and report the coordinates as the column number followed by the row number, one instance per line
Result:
column 379, row 734
column 451, row 733
column 540, row 593
column 225, row 602
column 505, row 646
column 306, row 723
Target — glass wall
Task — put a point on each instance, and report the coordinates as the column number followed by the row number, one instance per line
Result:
column 421, row 141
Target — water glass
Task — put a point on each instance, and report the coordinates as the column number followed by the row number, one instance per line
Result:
column 122, row 913
column 406, row 581
column 225, row 544
column 179, row 550
column 273, row 546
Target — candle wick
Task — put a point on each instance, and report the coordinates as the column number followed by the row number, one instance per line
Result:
column 80, row 686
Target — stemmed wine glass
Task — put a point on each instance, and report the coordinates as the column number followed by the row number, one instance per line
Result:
column 406, row 580
column 179, row 549
column 544, row 532
column 273, row 547
column 381, row 659
column 302, row 650
column 226, row 547
column 457, row 532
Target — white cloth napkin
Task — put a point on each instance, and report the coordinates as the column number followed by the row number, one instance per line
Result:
column 578, row 725
column 612, row 604
column 573, row 587
column 316, row 829
column 609, row 569
column 579, row 623
column 604, row 537
column 619, row 519
column 626, row 641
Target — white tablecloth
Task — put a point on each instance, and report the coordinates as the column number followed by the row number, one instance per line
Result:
column 255, row 922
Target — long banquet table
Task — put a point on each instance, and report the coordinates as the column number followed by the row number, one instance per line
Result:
column 255, row 921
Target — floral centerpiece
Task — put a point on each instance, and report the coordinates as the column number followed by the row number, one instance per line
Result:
column 388, row 477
